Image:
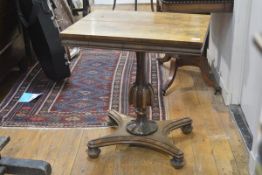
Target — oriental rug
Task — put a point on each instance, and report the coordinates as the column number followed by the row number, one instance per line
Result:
column 100, row 81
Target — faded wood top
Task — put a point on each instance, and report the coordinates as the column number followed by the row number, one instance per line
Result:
column 138, row 28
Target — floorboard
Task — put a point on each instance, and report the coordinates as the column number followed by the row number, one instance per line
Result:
column 214, row 148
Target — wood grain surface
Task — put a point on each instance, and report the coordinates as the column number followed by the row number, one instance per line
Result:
column 141, row 28
column 214, row 148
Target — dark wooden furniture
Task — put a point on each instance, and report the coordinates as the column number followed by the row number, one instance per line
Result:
column 200, row 7
column 12, row 49
column 195, row 6
column 140, row 32
column 151, row 3
column 191, row 59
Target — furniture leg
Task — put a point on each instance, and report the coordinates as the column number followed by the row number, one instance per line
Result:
column 166, row 58
column 141, row 96
column 152, row 5
column 151, row 2
column 158, row 7
column 114, row 5
column 135, row 5
column 141, row 131
column 86, row 7
column 171, row 77
column 187, row 60
column 206, row 72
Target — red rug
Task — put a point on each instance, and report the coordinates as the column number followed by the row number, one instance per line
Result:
column 100, row 81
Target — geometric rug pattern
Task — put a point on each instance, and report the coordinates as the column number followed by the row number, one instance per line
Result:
column 99, row 81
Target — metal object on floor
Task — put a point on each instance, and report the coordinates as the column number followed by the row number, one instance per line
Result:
column 142, row 131
column 10, row 165
column 151, row 3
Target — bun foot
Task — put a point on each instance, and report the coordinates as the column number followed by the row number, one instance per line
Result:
column 93, row 152
column 177, row 163
column 187, row 129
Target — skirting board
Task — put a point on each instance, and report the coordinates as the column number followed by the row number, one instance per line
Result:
column 242, row 124
column 239, row 117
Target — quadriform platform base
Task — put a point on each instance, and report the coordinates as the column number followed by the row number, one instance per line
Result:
column 141, row 131
column 158, row 141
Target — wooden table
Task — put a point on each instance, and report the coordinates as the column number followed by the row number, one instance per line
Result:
column 140, row 32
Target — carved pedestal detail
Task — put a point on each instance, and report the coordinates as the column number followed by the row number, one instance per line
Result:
column 141, row 131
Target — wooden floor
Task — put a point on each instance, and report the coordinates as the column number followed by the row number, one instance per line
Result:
column 214, row 147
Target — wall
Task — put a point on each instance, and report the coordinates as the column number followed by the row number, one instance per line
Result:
column 237, row 62
column 220, row 49
column 251, row 100
column 229, row 32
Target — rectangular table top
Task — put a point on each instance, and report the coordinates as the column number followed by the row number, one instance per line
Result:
column 129, row 30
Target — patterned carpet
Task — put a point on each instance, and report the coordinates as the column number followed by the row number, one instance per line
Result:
column 100, row 81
